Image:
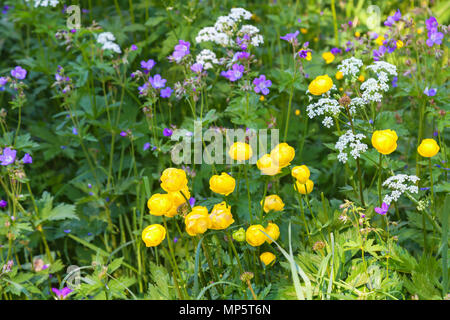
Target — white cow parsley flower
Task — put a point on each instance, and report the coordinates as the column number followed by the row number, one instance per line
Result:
column 107, row 39
column 325, row 106
column 45, row 3
column 399, row 185
column 207, row 58
column 350, row 67
column 348, row 142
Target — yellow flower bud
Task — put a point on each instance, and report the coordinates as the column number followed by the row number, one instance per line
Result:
column 339, row 75
column 239, row 235
column 419, row 31
column 308, row 56
column 153, row 235
column 177, row 200
column 261, row 98
column 223, row 184
column 173, row 180
column 221, row 217
column 385, row 141
column 428, row 148
column 197, row 221
column 320, row 85
column 240, row 151
column 328, row 57
column 159, row 204
column 357, row 34
column 273, row 231
column 254, row 236
column 304, row 188
column 267, row 258
column 361, row 78
column 297, row 112
column 301, row 173
column 379, row 40
column 400, row 44
column 267, row 166
column 303, row 30
column 273, row 202
column 282, row 155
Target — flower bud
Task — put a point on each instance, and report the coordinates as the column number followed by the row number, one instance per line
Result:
column 239, row 235
column 254, row 235
column 273, row 231
column 221, row 217
column 339, row 75
column 223, row 184
column 153, row 235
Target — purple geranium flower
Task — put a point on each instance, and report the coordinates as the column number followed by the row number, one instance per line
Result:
column 146, row 146
column 335, row 51
column 303, row 53
column 197, row 67
column 377, row 54
column 19, row 73
column 123, row 134
column 430, row 92
column 241, row 55
column 63, row 293
column 431, row 24
column 3, row 203
column 166, row 92
column 434, row 37
column 142, row 89
column 134, row 47
column 290, row 37
column 27, row 158
column 157, row 82
column 394, row 82
column 3, row 81
column 235, row 73
column 8, row 156
column 262, row 85
column 192, row 201
column 181, row 50
column 390, row 21
column 383, row 210
column 148, row 65
column 167, row 132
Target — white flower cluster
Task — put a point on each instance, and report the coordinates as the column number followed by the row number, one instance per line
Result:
column 107, row 40
column 371, row 88
column 207, row 58
column 325, row 106
column 350, row 67
column 355, row 104
column 223, row 31
column 350, row 142
column 45, row 3
column 398, row 184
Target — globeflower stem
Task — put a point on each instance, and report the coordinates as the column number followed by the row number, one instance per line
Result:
column 248, row 193
column 263, row 199
column 379, row 180
column 431, row 186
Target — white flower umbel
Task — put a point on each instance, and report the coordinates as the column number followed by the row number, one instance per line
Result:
column 107, row 40
column 350, row 67
column 379, row 66
column 207, row 58
column 372, row 88
column 44, row 3
column 350, row 143
column 238, row 14
column 212, row 34
column 399, row 184
column 325, row 106
column 357, row 103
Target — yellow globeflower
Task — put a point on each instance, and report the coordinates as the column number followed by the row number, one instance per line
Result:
column 240, row 151
column 419, row 31
column 254, row 236
column 273, row 202
column 428, row 148
column 328, row 57
column 297, row 112
column 357, row 34
column 221, row 217
column 339, row 75
column 261, row 98
column 153, row 235
column 273, row 231
column 267, row 258
column 399, row 44
column 301, row 173
column 304, row 188
column 177, row 200
column 308, row 56
column 320, row 85
column 379, row 40
column 361, row 78
column 173, row 180
column 223, row 184
column 159, row 204
column 197, row 222
column 267, row 166
column 385, row 141
column 282, row 155
column 303, row 30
